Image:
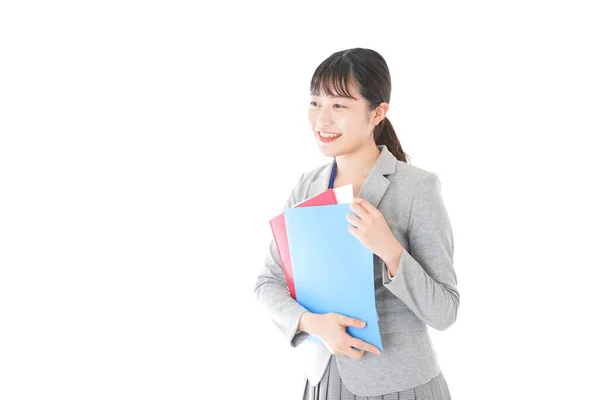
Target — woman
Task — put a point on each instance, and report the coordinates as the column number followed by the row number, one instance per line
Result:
column 399, row 215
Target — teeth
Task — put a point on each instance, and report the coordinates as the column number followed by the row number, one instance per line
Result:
column 329, row 135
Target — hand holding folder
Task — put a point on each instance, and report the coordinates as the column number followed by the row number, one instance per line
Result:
column 333, row 271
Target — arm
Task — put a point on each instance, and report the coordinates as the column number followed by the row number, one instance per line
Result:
column 424, row 279
column 273, row 294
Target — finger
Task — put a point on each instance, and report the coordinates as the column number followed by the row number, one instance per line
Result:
column 366, row 205
column 354, row 220
column 356, row 354
column 360, row 344
column 357, row 323
column 359, row 210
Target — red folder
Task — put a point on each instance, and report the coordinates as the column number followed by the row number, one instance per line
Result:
column 280, row 234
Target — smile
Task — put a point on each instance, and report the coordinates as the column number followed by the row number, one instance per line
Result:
column 329, row 135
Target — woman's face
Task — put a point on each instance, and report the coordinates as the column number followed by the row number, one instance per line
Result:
column 341, row 115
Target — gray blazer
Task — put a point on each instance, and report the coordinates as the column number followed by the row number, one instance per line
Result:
column 423, row 293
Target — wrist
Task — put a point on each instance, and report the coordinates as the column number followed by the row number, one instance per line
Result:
column 306, row 322
column 393, row 261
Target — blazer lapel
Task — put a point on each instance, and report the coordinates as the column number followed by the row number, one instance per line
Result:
column 321, row 184
column 376, row 183
column 374, row 186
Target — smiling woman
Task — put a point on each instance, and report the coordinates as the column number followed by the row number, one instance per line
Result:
column 400, row 217
column 349, row 96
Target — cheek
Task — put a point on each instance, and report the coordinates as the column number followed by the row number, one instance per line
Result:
column 356, row 124
column 343, row 121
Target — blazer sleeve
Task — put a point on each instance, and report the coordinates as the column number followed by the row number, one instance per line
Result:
column 426, row 281
column 272, row 291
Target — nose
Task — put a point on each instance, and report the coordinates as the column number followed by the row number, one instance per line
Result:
column 323, row 118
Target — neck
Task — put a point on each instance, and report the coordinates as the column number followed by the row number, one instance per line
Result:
column 357, row 164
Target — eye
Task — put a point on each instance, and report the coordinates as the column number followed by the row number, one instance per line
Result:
column 312, row 103
column 341, row 106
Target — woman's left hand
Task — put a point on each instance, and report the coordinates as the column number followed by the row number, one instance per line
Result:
column 371, row 229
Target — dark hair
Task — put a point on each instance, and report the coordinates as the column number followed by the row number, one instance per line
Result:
column 369, row 73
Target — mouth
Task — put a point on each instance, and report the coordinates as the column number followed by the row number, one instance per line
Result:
column 328, row 135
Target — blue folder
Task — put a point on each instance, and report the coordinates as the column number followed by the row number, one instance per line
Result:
column 333, row 271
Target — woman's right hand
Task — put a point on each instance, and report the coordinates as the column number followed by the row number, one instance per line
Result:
column 331, row 329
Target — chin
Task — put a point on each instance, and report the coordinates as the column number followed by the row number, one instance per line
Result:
column 329, row 152
column 329, row 149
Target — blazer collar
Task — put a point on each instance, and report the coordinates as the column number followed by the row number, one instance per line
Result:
column 375, row 184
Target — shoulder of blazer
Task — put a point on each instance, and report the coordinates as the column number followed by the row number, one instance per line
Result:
column 408, row 174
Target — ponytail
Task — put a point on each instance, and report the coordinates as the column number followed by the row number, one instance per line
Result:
column 386, row 135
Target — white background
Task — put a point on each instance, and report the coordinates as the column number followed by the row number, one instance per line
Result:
column 145, row 145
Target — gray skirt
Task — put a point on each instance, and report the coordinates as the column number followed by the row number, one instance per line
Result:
column 331, row 387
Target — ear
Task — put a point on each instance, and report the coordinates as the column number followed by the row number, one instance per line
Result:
column 380, row 113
